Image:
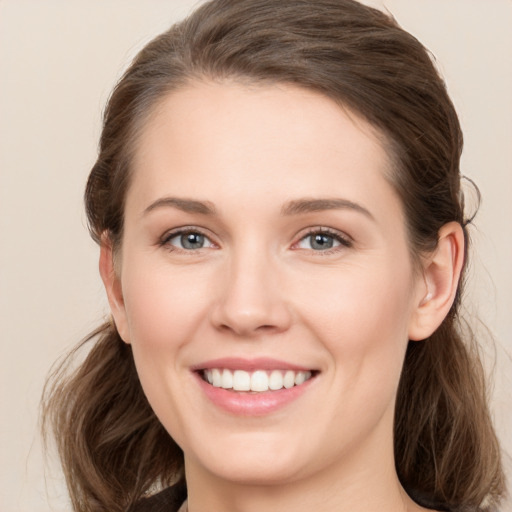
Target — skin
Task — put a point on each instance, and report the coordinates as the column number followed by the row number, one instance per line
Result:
column 259, row 288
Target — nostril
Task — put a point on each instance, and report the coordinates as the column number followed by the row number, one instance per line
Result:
column 266, row 327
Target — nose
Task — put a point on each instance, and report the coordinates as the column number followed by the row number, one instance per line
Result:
column 252, row 300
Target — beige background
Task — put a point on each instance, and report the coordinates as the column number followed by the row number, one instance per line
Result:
column 58, row 62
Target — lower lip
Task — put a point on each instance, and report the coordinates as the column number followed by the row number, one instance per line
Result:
column 252, row 404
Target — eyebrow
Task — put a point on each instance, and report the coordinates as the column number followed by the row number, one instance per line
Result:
column 300, row 206
column 295, row 207
column 183, row 204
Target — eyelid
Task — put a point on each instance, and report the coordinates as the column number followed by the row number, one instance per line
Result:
column 175, row 232
column 345, row 240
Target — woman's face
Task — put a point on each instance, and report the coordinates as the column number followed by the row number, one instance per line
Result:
column 263, row 247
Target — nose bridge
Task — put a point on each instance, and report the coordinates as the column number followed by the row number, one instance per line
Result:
column 252, row 298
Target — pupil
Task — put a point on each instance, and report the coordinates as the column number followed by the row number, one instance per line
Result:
column 322, row 242
column 192, row 241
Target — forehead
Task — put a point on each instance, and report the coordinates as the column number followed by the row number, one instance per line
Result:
column 229, row 139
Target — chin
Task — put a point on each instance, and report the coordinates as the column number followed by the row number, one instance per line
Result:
column 253, row 461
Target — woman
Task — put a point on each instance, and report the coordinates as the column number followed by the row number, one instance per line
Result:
column 282, row 238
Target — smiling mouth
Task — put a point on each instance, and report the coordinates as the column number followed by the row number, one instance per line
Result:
column 258, row 381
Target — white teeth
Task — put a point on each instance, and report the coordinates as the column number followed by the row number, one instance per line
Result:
column 241, row 381
column 275, row 381
column 289, row 379
column 257, row 381
column 302, row 377
column 227, row 379
column 216, row 378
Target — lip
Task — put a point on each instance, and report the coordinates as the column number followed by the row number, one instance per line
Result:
column 249, row 403
column 249, row 365
column 252, row 404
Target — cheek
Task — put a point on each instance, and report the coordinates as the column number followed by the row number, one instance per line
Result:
column 363, row 322
column 164, row 305
column 363, row 315
column 165, row 309
column 359, row 299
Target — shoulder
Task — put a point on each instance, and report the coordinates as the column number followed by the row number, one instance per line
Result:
column 168, row 500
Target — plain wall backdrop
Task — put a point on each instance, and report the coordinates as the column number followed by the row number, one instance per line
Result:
column 58, row 63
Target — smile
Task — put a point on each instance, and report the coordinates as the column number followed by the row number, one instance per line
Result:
column 253, row 387
column 257, row 381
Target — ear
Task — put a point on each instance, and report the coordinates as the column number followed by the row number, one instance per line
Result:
column 112, row 284
column 441, row 275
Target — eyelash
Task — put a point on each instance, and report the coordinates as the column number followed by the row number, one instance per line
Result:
column 165, row 240
column 343, row 240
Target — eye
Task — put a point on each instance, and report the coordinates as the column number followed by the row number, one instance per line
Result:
column 187, row 240
column 322, row 240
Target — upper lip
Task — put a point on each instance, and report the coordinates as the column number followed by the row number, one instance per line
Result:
column 260, row 363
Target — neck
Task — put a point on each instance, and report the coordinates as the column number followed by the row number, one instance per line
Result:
column 301, row 497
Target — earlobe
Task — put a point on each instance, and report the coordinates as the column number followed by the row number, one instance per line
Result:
column 112, row 284
column 441, row 275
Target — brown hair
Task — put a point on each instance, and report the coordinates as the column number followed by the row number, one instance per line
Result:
column 113, row 448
